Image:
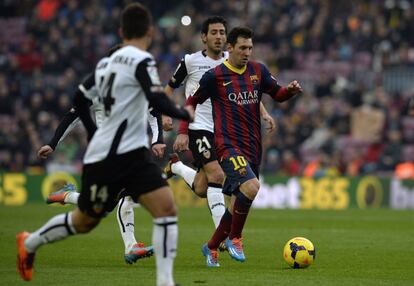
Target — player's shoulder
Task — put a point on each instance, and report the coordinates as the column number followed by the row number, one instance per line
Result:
column 259, row 68
column 102, row 63
column 210, row 74
column 194, row 56
column 195, row 59
column 131, row 51
column 257, row 64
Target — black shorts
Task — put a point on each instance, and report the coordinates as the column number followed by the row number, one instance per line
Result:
column 132, row 173
column 201, row 144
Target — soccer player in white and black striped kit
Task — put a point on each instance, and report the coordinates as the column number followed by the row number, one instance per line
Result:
column 117, row 158
column 68, row 195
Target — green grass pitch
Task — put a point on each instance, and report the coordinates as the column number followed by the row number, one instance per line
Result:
column 353, row 247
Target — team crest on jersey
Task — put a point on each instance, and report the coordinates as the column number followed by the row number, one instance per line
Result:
column 207, row 154
column 243, row 172
column 254, row 78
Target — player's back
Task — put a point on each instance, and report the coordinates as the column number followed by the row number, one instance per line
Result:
column 125, row 105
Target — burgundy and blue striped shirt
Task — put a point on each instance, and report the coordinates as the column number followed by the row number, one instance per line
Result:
column 235, row 95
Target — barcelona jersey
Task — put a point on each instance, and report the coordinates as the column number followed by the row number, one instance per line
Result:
column 235, row 95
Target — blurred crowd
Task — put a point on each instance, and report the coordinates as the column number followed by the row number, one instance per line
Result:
column 347, row 122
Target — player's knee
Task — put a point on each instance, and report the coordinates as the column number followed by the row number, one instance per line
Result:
column 256, row 185
column 85, row 226
column 82, row 222
column 200, row 186
column 200, row 191
column 215, row 175
column 167, row 210
column 250, row 188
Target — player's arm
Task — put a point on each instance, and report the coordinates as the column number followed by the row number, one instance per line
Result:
column 147, row 75
column 267, row 118
column 60, row 132
column 69, row 121
column 176, row 80
column 276, row 91
column 82, row 103
column 157, row 142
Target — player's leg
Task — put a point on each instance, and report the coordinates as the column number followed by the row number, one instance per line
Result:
column 222, row 231
column 240, row 208
column 155, row 195
column 239, row 173
column 57, row 228
column 215, row 197
column 209, row 179
column 200, row 184
column 125, row 215
column 196, row 180
column 160, row 204
column 176, row 167
column 95, row 200
column 66, row 195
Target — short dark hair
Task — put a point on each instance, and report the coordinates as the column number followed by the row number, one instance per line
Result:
column 213, row 20
column 236, row 32
column 135, row 21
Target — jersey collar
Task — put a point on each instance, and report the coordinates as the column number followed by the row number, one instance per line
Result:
column 204, row 53
column 234, row 69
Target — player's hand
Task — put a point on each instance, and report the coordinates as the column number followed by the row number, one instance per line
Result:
column 294, row 87
column 271, row 124
column 167, row 123
column 181, row 143
column 44, row 151
column 190, row 110
column 159, row 149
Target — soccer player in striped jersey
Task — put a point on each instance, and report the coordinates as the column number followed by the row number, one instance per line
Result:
column 235, row 88
column 207, row 181
column 117, row 158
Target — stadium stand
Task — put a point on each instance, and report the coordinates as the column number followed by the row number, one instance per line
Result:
column 348, row 57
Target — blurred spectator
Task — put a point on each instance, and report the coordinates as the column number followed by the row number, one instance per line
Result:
column 355, row 61
column 290, row 165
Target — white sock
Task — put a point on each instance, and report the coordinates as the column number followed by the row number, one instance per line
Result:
column 187, row 173
column 215, row 200
column 57, row 228
column 164, row 240
column 72, row 198
column 125, row 216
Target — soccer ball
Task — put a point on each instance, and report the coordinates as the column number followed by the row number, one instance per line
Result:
column 299, row 252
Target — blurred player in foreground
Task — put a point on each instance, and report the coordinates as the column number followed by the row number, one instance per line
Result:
column 130, row 81
column 68, row 195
